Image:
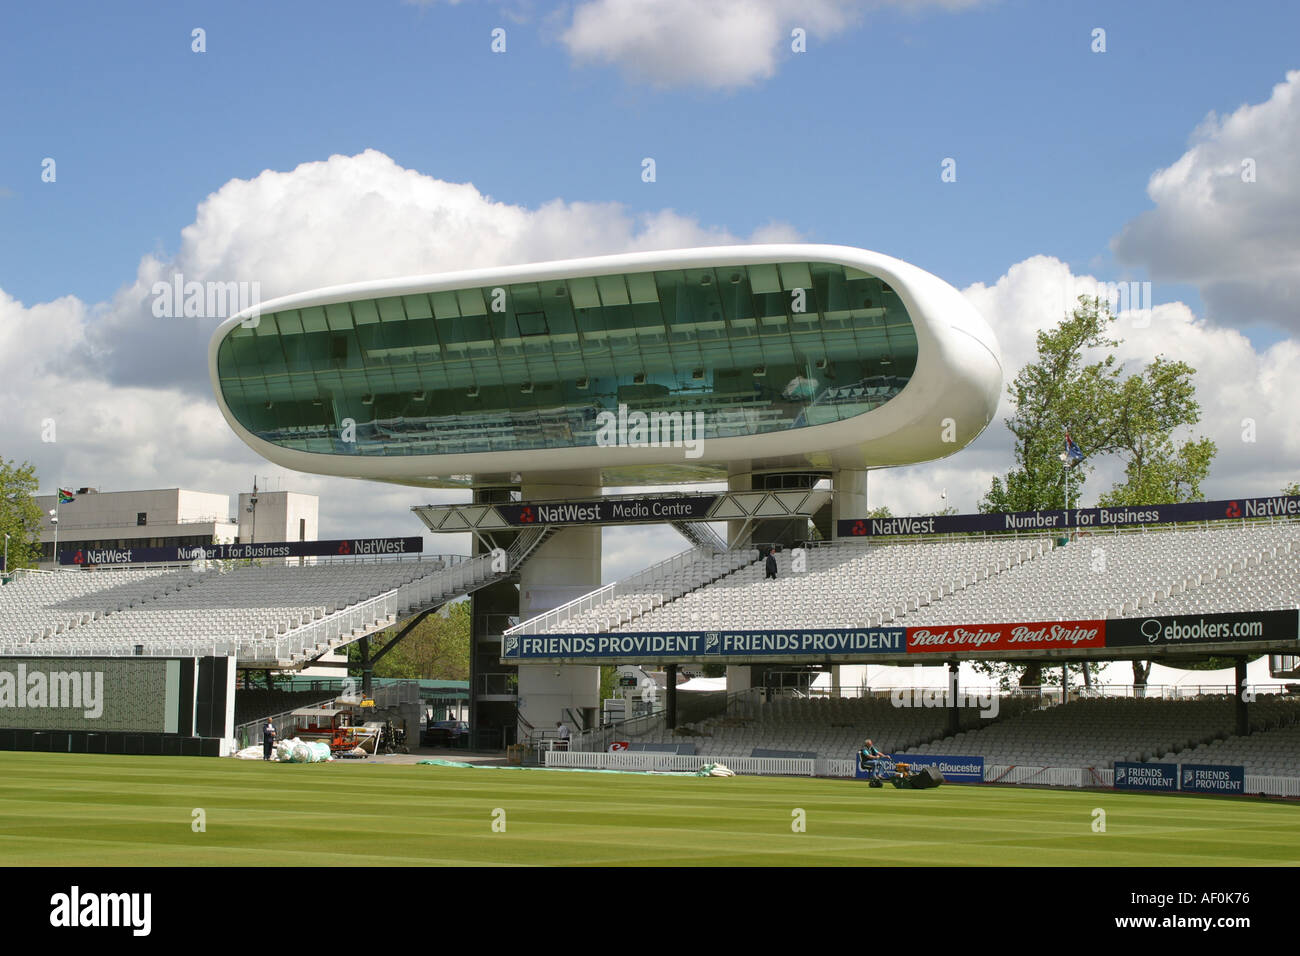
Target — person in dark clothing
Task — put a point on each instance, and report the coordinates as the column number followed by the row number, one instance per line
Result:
column 771, row 562
column 268, row 739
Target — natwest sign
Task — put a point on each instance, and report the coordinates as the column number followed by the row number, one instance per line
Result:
column 621, row 510
column 1007, row 637
column 237, row 552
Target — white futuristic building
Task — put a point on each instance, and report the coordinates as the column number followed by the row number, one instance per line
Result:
column 797, row 355
column 764, row 366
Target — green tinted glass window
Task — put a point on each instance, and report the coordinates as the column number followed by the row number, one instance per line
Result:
column 751, row 349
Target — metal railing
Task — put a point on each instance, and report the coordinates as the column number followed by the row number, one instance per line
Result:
column 391, row 693
column 628, row 585
column 334, row 629
column 250, row 732
column 598, row 739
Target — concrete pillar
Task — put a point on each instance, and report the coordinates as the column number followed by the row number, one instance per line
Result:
column 850, row 500
column 835, row 680
column 738, row 677
column 954, row 714
column 738, row 479
column 567, row 566
column 1239, row 697
column 367, row 669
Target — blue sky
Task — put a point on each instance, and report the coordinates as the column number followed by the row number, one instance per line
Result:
column 1054, row 143
column 161, row 153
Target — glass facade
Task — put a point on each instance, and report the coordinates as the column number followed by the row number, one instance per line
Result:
column 735, row 350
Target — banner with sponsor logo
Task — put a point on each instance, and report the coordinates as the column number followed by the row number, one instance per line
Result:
column 957, row 768
column 1189, row 630
column 820, row 643
column 1146, row 776
column 1276, row 506
column 602, row 511
column 1006, row 637
column 957, row 640
column 1204, row 778
column 232, row 552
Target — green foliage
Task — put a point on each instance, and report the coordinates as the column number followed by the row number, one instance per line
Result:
column 714, row 669
column 1292, row 489
column 1215, row 663
column 437, row 649
column 1163, row 472
column 608, row 681
column 1108, row 412
column 20, row 516
column 1035, row 674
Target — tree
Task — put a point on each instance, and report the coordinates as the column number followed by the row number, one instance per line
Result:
column 1292, row 489
column 608, row 682
column 1108, row 411
column 1048, row 675
column 437, row 649
column 20, row 516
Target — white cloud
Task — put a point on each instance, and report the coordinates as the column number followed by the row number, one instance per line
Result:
column 1237, row 241
column 1234, row 382
column 129, row 393
column 346, row 219
column 132, row 406
column 713, row 43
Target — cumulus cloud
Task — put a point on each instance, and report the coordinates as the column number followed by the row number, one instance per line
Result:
column 1244, row 392
column 712, row 43
column 1225, row 214
column 131, row 405
column 128, row 391
column 348, row 219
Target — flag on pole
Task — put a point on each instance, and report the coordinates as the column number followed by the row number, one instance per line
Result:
column 1071, row 456
column 65, row 496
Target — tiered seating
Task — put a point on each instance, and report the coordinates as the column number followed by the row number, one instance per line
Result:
column 1272, row 753
column 636, row 596
column 827, row 727
column 968, row 581
column 1269, row 582
column 1124, row 575
column 274, row 614
column 1097, row 732
column 845, row 585
column 248, row 602
column 45, row 605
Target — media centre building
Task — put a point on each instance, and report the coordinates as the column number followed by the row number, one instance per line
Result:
column 761, row 366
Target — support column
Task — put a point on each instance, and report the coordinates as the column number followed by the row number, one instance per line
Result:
column 1065, row 683
column 670, row 700
column 850, row 498
column 738, row 479
column 835, row 681
column 565, row 567
column 954, row 714
column 1239, row 697
column 367, row 668
column 739, row 676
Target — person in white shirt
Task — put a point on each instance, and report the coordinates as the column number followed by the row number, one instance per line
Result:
column 562, row 732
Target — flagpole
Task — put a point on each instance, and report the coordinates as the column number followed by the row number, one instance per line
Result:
column 58, row 493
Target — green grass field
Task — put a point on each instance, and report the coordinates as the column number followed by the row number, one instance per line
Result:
column 75, row 810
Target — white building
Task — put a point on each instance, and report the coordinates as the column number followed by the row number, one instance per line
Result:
column 170, row 517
